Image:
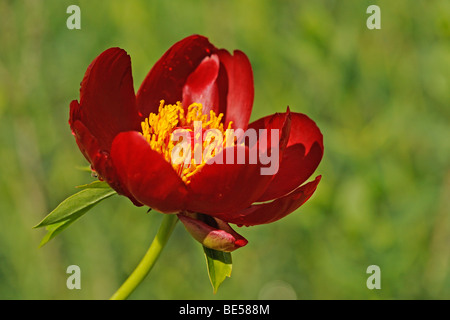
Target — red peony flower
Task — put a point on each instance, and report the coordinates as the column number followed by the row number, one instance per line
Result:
column 128, row 140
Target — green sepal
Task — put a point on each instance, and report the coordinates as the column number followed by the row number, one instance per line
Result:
column 219, row 265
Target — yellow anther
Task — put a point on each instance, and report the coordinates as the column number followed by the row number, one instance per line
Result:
column 158, row 130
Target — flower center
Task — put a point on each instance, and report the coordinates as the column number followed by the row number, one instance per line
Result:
column 187, row 140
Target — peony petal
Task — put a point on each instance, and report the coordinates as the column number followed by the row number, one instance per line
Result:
column 272, row 211
column 146, row 174
column 166, row 79
column 201, row 85
column 280, row 122
column 218, row 237
column 230, row 186
column 300, row 159
column 306, row 132
column 100, row 160
column 107, row 100
column 240, row 88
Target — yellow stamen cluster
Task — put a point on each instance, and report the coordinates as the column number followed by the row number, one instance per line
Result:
column 158, row 129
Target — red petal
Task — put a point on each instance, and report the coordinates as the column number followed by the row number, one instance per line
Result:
column 300, row 159
column 166, row 79
column 240, row 88
column 201, row 85
column 264, row 127
column 275, row 210
column 222, row 237
column 306, row 132
column 107, row 100
column 228, row 186
column 146, row 174
column 100, row 160
column 86, row 142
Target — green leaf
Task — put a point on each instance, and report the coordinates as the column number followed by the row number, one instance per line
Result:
column 219, row 266
column 73, row 208
column 54, row 229
column 95, row 184
column 74, row 204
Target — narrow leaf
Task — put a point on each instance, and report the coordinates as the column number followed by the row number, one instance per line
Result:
column 75, row 204
column 84, row 168
column 219, row 266
column 72, row 209
column 95, row 184
column 54, row 229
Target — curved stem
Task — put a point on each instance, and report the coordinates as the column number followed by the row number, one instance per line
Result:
column 149, row 259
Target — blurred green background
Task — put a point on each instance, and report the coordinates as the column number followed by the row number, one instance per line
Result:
column 380, row 97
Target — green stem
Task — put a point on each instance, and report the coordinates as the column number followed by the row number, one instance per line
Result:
column 150, row 258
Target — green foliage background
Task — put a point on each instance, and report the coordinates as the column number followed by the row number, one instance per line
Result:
column 380, row 97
